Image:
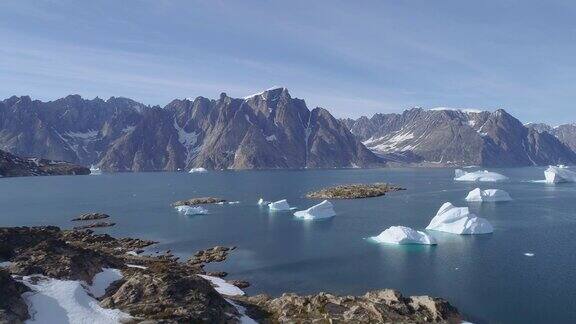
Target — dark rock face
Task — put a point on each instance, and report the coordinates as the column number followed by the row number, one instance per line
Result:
column 14, row 166
column 455, row 137
column 268, row 130
column 94, row 225
column 13, row 308
column 384, row 306
column 565, row 133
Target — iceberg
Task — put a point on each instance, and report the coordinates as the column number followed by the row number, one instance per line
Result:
column 197, row 170
column 191, row 210
column 279, row 205
column 403, row 235
column 324, row 209
column 489, row 195
column 262, row 202
column 555, row 174
column 478, row 176
column 459, row 220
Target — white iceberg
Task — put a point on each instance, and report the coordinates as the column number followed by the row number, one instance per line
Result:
column 66, row 301
column 488, row 195
column 262, row 202
column 279, row 205
column 459, row 220
column 191, row 210
column 197, row 170
column 556, row 174
column 95, row 171
column 403, row 235
column 479, row 176
column 324, row 209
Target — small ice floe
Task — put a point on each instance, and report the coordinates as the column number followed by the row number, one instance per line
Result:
column 403, row 235
column 556, row 174
column 136, row 266
column 94, row 170
column 529, row 254
column 191, row 210
column 262, row 202
column 197, row 170
column 488, row 195
column 459, row 220
column 279, row 205
column 222, row 287
column 233, row 202
column 479, row 176
column 324, row 209
column 57, row 301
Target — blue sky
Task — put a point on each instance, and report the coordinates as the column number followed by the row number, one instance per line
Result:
column 352, row 57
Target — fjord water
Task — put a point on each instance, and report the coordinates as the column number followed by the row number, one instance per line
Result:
column 487, row 277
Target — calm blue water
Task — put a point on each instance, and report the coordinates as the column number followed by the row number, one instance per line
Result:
column 487, row 277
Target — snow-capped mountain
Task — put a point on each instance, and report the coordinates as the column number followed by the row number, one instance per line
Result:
column 566, row 133
column 267, row 130
column 450, row 136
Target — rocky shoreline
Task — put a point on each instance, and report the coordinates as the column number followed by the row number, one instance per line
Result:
column 162, row 289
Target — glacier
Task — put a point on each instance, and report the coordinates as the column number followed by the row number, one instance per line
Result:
column 459, row 220
column 197, row 170
column 403, row 235
column 324, row 209
column 488, row 195
column 478, row 176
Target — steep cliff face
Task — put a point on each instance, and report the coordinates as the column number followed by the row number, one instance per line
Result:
column 461, row 137
column 267, row 130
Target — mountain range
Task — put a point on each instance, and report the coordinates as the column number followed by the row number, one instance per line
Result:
column 446, row 136
column 264, row 131
column 269, row 130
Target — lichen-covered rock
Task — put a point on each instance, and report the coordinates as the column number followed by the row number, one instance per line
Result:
column 353, row 191
column 382, row 306
column 198, row 201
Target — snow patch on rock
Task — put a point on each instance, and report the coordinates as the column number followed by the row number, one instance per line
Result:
column 222, row 287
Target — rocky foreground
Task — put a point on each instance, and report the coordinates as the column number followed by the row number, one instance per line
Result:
column 161, row 289
column 354, row 191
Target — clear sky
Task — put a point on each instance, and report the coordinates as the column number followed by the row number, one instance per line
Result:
column 352, row 57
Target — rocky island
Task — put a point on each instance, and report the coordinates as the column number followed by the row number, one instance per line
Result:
column 161, row 289
column 15, row 166
column 354, row 191
column 198, row 201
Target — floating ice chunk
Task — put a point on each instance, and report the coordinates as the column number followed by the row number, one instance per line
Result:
column 191, row 210
column 556, row 174
column 479, row 176
column 262, row 202
column 403, row 235
column 65, row 301
column 324, row 209
column 489, row 195
column 529, row 254
column 233, row 202
column 197, row 170
column 222, row 287
column 279, row 205
column 459, row 220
